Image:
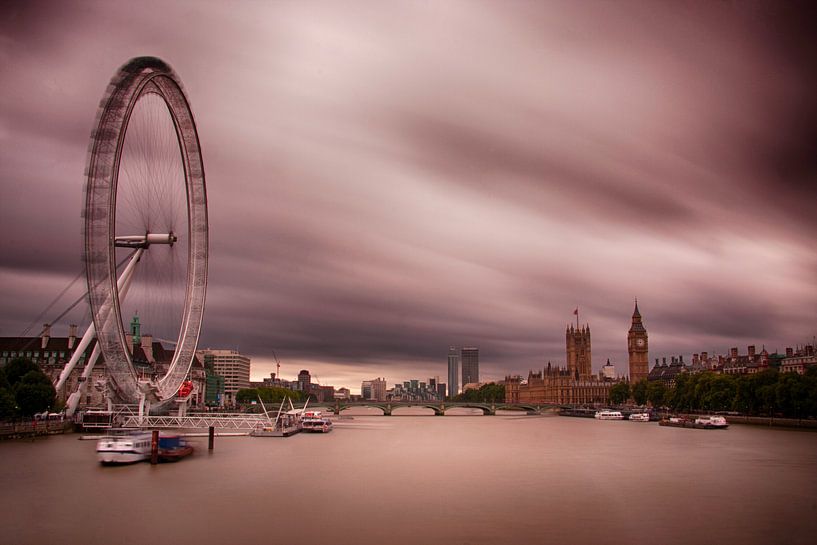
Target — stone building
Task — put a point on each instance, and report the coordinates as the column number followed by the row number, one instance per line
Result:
column 579, row 355
column 574, row 384
column 557, row 385
column 638, row 347
column 150, row 360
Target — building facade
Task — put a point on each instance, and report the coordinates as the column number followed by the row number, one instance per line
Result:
column 231, row 365
column 573, row 384
column 638, row 348
column 557, row 385
column 453, row 371
column 373, row 390
column 469, row 358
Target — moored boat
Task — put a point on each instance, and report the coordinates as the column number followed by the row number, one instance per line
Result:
column 173, row 448
column 711, row 422
column 701, row 422
column 609, row 415
column 315, row 422
column 123, row 449
column 640, row 417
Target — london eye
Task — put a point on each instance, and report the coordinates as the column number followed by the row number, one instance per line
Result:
column 145, row 229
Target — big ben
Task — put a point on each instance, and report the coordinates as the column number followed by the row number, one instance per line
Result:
column 638, row 348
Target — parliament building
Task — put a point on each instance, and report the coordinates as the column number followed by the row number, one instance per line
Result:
column 575, row 384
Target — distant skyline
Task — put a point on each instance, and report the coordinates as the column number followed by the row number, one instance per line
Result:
column 388, row 179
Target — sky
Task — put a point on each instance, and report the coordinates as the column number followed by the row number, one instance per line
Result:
column 388, row 179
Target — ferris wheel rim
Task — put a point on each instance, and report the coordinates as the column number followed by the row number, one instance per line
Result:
column 134, row 80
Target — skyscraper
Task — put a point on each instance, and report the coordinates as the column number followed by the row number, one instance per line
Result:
column 470, row 365
column 638, row 348
column 453, row 371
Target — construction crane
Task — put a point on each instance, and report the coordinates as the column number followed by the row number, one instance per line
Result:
column 277, row 366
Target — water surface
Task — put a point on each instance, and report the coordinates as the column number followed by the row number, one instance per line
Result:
column 421, row 479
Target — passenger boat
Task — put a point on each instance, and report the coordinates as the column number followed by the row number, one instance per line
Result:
column 609, row 415
column 315, row 422
column 173, row 448
column 123, row 449
column 701, row 423
column 711, row 422
column 640, row 417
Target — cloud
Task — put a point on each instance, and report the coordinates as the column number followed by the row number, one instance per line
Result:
column 388, row 180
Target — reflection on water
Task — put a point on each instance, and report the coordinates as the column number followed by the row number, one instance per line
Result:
column 512, row 479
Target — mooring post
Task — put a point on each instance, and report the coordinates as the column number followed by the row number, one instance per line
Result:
column 211, row 434
column 154, row 447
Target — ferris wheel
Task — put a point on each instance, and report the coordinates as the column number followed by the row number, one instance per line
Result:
column 145, row 211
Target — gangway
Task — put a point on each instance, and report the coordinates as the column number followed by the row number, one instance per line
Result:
column 226, row 421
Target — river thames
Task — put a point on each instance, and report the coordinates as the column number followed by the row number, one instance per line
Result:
column 427, row 480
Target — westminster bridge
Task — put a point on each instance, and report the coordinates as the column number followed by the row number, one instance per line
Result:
column 128, row 417
column 439, row 407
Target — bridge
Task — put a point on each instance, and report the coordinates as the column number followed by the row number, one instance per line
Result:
column 488, row 408
column 126, row 416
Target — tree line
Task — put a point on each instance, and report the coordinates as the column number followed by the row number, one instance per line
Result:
column 25, row 390
column 267, row 395
column 767, row 393
column 487, row 393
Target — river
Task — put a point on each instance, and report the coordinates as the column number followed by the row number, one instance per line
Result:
column 507, row 479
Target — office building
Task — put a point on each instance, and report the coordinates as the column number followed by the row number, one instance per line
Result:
column 453, row 371
column 232, row 366
column 470, row 365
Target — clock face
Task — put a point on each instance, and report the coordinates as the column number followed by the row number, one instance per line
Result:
column 640, row 343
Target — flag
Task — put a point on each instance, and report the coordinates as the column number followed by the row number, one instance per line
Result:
column 576, row 312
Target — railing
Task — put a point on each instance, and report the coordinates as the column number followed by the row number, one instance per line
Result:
column 222, row 421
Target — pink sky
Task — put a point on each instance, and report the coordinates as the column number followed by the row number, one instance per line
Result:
column 386, row 179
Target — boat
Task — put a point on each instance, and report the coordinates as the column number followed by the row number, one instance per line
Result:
column 173, row 448
column 640, row 417
column 701, row 423
column 609, row 415
column 315, row 422
column 124, row 448
column 285, row 424
column 711, row 422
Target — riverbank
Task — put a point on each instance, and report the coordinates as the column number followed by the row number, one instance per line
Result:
column 33, row 428
column 774, row 422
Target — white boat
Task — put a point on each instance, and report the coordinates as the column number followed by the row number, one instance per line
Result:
column 315, row 422
column 640, row 417
column 123, row 449
column 711, row 422
column 609, row 415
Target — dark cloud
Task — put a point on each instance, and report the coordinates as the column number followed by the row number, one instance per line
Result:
column 388, row 180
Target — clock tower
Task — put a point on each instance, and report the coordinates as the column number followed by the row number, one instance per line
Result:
column 637, row 346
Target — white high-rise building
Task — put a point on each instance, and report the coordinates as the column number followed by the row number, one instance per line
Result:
column 232, row 366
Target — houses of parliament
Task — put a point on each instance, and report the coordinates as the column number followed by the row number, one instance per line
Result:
column 576, row 383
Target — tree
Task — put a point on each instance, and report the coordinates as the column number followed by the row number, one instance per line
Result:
column 16, row 368
column 34, row 393
column 8, row 406
column 267, row 395
column 487, row 393
column 619, row 393
column 657, row 393
column 639, row 392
